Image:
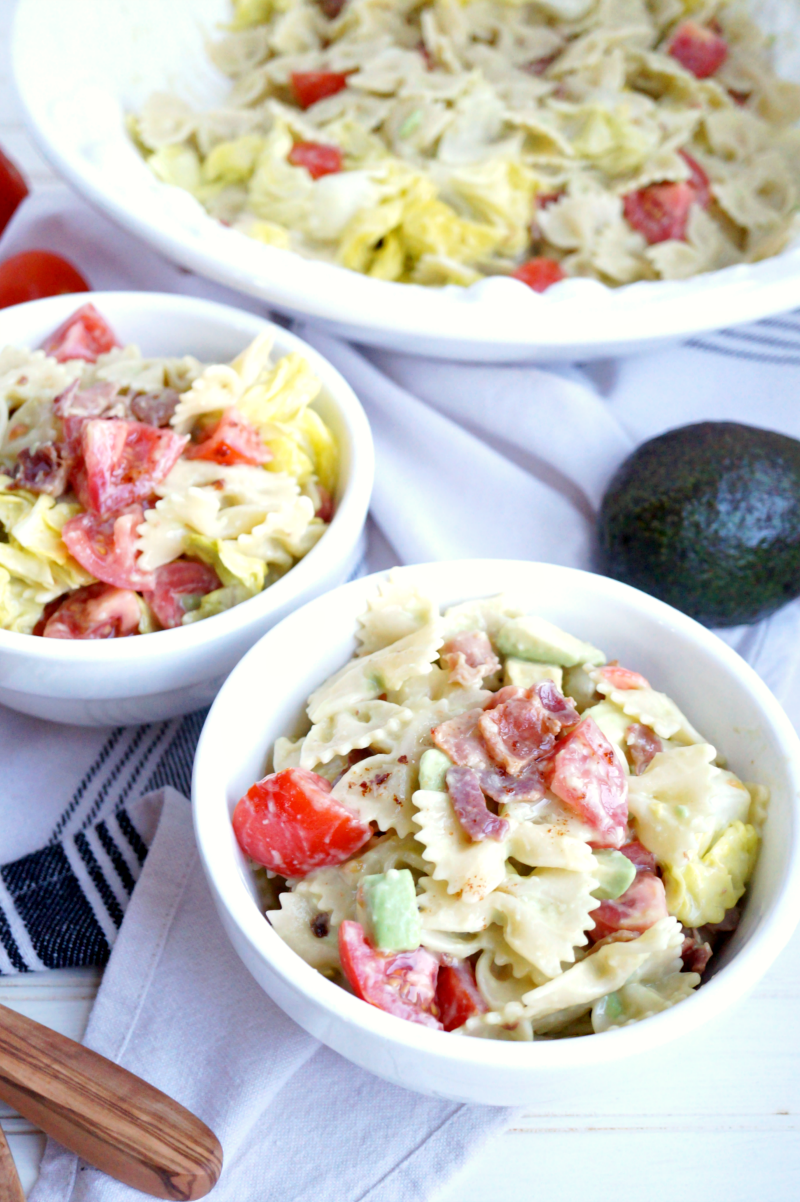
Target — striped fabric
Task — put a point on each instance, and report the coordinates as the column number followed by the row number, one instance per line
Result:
column 62, row 906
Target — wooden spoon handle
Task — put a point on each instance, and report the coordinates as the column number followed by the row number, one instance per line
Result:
column 114, row 1120
column 10, row 1184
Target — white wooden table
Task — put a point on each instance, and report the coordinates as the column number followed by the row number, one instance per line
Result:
column 714, row 1118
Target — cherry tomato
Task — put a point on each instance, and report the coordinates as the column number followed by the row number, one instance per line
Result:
column 232, row 440
column 539, row 273
column 638, row 909
column 95, row 612
column 311, row 86
column 698, row 179
column 317, row 159
column 106, row 547
column 176, row 584
column 403, row 983
column 122, row 462
column 84, row 335
column 586, row 774
column 623, row 678
column 457, row 995
column 36, row 273
column 13, row 190
column 698, row 49
column 660, row 211
column 290, row 823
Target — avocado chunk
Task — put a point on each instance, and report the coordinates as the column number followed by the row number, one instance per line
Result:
column 707, row 518
column 536, row 639
column 614, row 873
column 433, row 769
column 392, row 919
column 527, row 674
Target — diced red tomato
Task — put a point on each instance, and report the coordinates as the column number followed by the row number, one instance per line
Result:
column 403, row 984
column 33, row 274
column 13, row 190
column 457, row 995
column 698, row 49
column 698, row 179
column 84, row 335
column 660, row 211
column 539, row 273
column 311, row 86
column 639, row 908
column 623, row 678
column 317, row 159
column 177, row 585
column 327, row 505
column 232, row 440
column 639, row 855
column 106, row 547
column 290, row 823
column 545, row 199
column 586, row 774
column 123, row 462
column 96, row 612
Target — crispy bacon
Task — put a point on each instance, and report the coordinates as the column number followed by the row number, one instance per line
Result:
column 459, row 738
column 502, row 786
column 638, row 909
column 469, row 658
column 695, row 952
column 643, row 745
column 45, row 470
column 470, row 806
column 155, row 408
column 524, row 728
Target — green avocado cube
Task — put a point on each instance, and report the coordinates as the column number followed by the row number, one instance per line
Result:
column 526, row 674
column 389, row 900
column 433, row 769
column 533, row 638
column 614, row 873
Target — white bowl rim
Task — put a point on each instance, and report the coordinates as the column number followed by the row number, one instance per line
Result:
column 729, row 984
column 354, row 500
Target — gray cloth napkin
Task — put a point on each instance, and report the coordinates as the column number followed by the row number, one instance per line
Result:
column 296, row 1121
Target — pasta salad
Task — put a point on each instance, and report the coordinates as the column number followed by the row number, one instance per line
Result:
column 145, row 494
column 440, row 141
column 489, row 829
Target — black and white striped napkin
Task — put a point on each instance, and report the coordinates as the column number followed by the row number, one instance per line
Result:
column 61, row 906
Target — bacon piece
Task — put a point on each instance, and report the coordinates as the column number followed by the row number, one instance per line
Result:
column 98, row 400
column 524, row 728
column 459, row 738
column 232, row 440
column 586, row 774
column 469, row 657
column 639, row 856
column 122, row 463
column 623, row 678
column 95, row 612
column 643, row 745
column 695, row 952
column 155, row 408
column 698, row 49
column 45, row 470
column 471, row 808
column 638, row 909
column 331, row 8
column 502, row 786
column 106, row 547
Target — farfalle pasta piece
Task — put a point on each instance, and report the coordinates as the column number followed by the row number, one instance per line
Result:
column 682, row 800
column 398, row 610
column 540, row 845
column 498, row 985
column 636, row 1001
column 352, row 729
column 487, row 614
column 651, row 708
column 545, row 916
column 380, row 788
column 444, row 911
column 471, row 869
column 293, row 922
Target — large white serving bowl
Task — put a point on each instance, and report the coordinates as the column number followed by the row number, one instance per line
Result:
column 80, row 67
column 264, row 698
column 172, row 672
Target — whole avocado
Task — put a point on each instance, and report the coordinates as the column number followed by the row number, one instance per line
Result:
column 707, row 517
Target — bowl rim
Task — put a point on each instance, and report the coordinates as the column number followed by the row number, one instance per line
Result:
column 351, row 510
column 495, row 317
column 731, row 981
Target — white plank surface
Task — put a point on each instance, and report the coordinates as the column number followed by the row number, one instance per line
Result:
column 712, row 1118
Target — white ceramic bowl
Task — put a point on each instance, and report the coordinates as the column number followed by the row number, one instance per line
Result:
column 173, row 672
column 264, row 697
column 78, row 72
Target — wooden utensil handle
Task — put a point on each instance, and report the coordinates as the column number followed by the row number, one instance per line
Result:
column 10, row 1184
column 113, row 1119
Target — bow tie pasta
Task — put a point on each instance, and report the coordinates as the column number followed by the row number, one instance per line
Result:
column 489, row 829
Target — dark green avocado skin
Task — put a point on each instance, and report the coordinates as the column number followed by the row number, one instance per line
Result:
column 707, row 517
